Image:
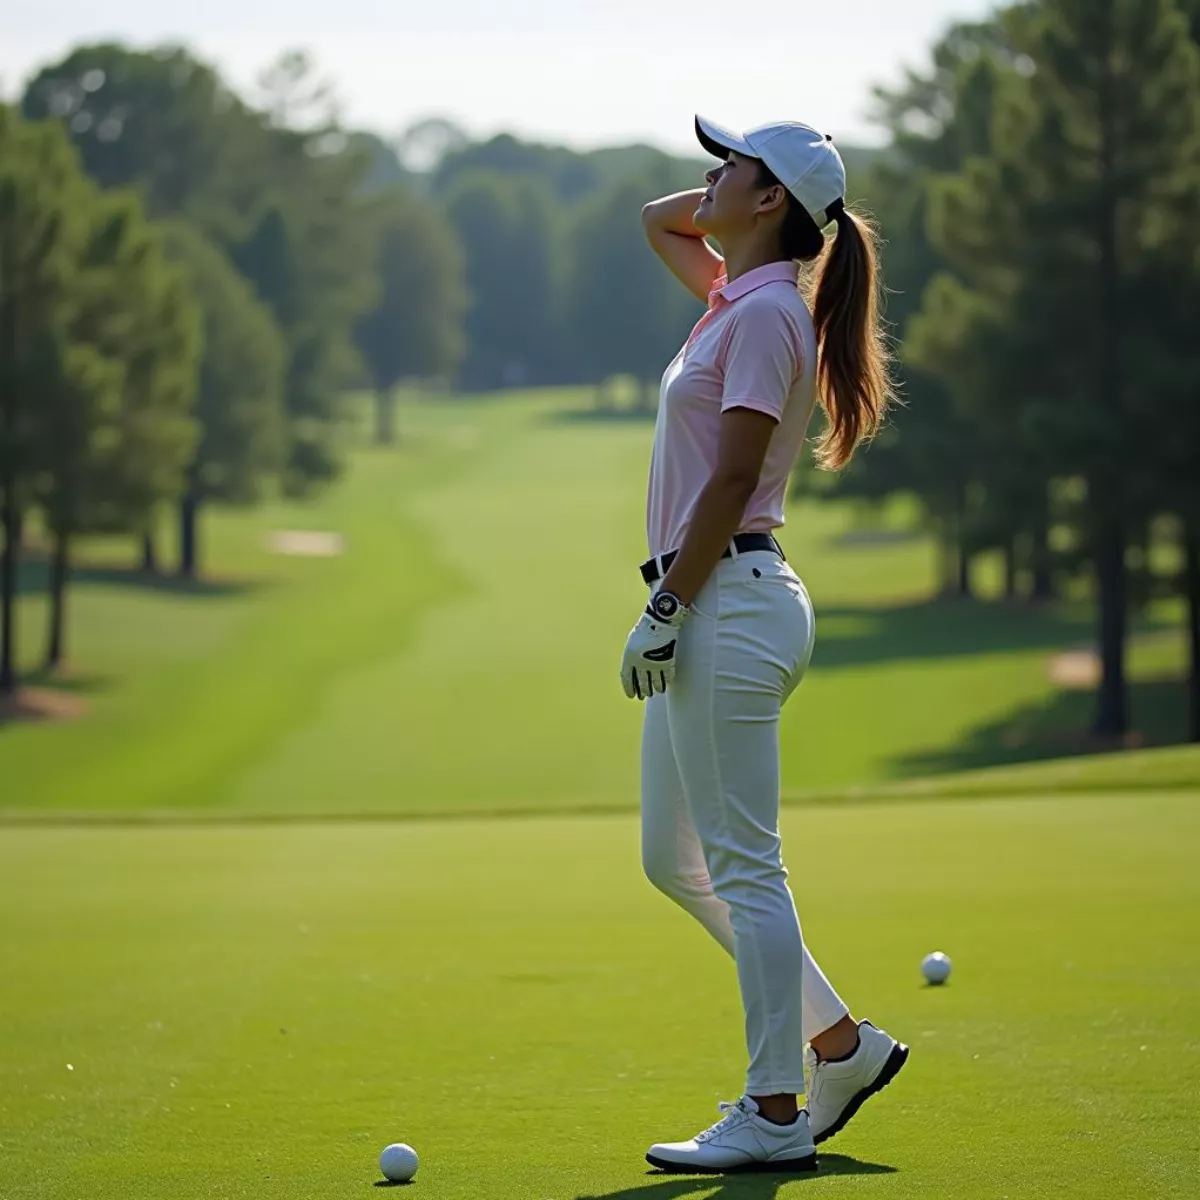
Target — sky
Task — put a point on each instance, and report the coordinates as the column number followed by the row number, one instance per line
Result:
column 581, row 72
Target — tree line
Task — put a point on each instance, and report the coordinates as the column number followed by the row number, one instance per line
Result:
column 191, row 282
column 1041, row 199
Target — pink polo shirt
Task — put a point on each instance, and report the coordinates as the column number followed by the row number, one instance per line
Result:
column 754, row 348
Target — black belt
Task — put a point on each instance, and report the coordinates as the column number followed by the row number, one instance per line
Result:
column 653, row 569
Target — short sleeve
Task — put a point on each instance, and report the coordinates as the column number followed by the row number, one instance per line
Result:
column 763, row 357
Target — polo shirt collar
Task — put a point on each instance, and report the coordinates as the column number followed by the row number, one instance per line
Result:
column 776, row 272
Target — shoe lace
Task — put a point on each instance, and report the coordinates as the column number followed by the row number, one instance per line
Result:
column 812, row 1075
column 735, row 1112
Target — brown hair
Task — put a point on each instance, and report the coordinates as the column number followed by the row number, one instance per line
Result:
column 844, row 290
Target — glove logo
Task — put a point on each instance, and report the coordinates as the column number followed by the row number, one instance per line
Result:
column 661, row 653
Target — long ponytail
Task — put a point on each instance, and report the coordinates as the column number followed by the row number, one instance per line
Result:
column 844, row 292
column 854, row 381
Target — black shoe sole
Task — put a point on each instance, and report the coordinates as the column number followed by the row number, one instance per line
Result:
column 787, row 1166
column 891, row 1068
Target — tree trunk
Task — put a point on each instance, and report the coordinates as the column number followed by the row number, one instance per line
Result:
column 647, row 395
column 189, row 512
column 385, row 417
column 1104, row 487
column 1112, row 714
column 59, row 573
column 960, row 579
column 10, row 511
column 149, row 553
column 947, row 547
column 964, row 572
column 1191, row 537
column 1039, row 561
column 11, row 521
column 1010, row 568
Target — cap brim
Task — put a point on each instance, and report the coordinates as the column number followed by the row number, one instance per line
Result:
column 719, row 141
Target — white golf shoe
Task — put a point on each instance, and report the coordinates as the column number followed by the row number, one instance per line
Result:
column 740, row 1142
column 837, row 1090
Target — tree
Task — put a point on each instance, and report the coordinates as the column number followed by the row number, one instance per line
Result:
column 160, row 120
column 278, row 189
column 424, row 145
column 309, row 257
column 239, row 403
column 43, row 227
column 386, row 168
column 293, row 96
column 937, row 120
column 1191, row 10
column 1184, row 436
column 1191, row 588
column 509, row 231
column 625, row 313
column 79, row 393
column 1170, row 369
column 1061, row 229
column 125, row 381
column 519, row 210
column 565, row 174
column 415, row 330
column 314, row 295
column 993, row 482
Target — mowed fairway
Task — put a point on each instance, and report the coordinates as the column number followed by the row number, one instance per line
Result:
column 461, row 655
column 254, row 1012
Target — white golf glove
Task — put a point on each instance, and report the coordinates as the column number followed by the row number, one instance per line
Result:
column 649, row 662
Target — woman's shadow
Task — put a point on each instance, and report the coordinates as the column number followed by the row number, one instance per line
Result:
column 737, row 1187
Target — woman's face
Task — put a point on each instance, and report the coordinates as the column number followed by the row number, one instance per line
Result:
column 734, row 198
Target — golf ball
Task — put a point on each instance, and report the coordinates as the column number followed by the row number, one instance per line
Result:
column 398, row 1162
column 935, row 967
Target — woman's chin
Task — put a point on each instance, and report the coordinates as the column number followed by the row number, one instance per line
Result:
column 701, row 215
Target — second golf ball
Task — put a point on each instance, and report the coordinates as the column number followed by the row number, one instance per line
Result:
column 935, row 967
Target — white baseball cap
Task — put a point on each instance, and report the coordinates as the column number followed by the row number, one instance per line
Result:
column 803, row 160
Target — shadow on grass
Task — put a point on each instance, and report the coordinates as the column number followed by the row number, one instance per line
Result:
column 49, row 696
column 76, row 685
column 854, row 636
column 1059, row 727
column 738, row 1187
column 34, row 579
column 1053, row 727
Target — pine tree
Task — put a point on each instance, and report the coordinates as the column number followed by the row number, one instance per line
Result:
column 933, row 449
column 1060, row 228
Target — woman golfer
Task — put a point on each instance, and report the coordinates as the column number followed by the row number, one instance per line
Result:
column 728, row 630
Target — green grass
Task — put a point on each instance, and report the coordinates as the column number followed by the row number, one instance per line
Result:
column 254, row 1012
column 461, row 655
column 254, row 996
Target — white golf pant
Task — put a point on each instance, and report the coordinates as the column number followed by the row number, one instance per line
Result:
column 710, row 802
